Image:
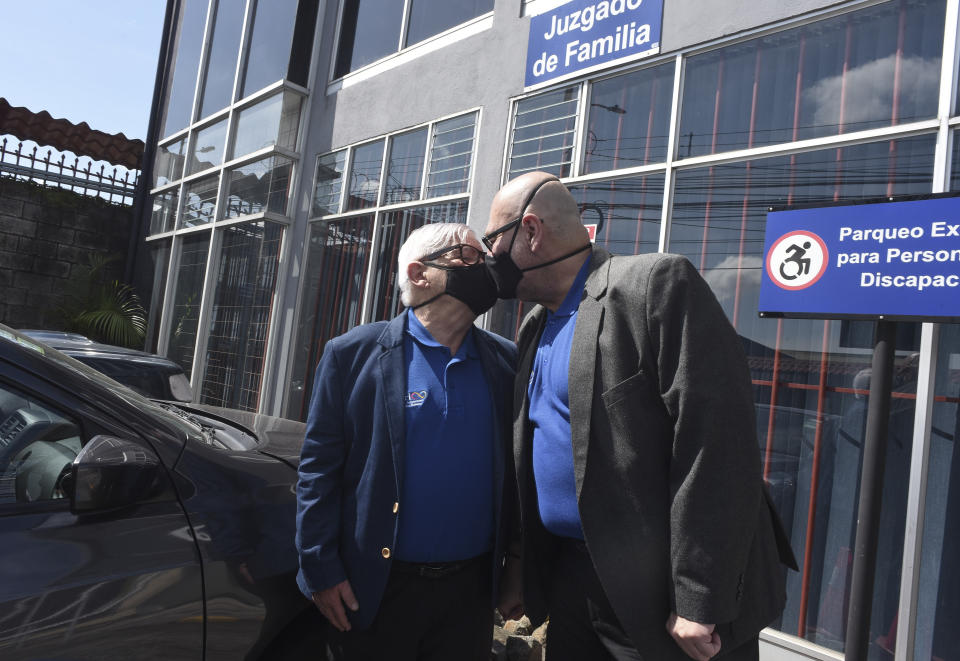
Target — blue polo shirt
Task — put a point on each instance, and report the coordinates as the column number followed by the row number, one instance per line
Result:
column 550, row 416
column 446, row 495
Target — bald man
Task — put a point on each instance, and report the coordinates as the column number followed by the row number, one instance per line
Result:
column 647, row 531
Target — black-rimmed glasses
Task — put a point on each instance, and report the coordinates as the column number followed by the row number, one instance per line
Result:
column 468, row 254
column 488, row 239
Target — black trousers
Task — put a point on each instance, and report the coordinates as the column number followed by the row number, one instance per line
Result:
column 583, row 626
column 425, row 617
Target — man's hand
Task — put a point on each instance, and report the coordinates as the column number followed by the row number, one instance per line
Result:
column 510, row 603
column 331, row 602
column 698, row 641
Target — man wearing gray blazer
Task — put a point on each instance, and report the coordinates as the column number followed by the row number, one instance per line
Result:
column 646, row 529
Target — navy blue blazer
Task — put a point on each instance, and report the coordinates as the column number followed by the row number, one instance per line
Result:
column 350, row 472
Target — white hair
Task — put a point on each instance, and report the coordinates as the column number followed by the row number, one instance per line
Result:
column 423, row 241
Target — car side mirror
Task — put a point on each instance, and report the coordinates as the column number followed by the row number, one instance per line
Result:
column 110, row 473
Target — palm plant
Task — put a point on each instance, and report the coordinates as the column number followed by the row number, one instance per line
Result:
column 103, row 308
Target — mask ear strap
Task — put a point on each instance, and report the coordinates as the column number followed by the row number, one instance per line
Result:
column 428, row 301
column 526, row 204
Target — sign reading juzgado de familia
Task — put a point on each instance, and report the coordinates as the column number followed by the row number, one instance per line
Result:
column 891, row 260
column 582, row 34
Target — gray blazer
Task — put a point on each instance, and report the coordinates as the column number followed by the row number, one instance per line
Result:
column 666, row 459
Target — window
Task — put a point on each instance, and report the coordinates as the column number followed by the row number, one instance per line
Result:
column 168, row 166
column 199, row 202
column 329, row 183
column 37, row 447
column 834, row 76
column 164, row 211
column 188, row 290
column 222, row 63
column 207, row 148
column 451, row 156
column 336, row 275
column 259, row 186
column 240, row 317
column 405, row 167
column 543, row 133
column 280, row 43
column 364, row 183
column 371, row 29
column 178, row 106
column 271, row 123
column 629, row 119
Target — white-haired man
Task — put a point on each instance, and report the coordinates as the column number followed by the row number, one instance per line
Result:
column 401, row 523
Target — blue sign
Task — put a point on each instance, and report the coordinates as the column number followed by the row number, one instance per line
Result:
column 898, row 260
column 582, row 34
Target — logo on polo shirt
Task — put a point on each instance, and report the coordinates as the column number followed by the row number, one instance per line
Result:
column 416, row 398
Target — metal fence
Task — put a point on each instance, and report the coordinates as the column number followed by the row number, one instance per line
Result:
column 80, row 174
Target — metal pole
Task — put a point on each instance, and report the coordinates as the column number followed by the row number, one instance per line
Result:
column 871, row 493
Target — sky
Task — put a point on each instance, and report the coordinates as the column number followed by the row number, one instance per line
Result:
column 92, row 61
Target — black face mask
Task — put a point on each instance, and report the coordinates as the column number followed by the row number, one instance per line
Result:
column 505, row 272
column 471, row 284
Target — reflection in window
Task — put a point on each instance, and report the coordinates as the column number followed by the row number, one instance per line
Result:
column 199, row 202
column 159, row 257
column 811, row 390
column 188, row 290
column 334, row 281
column 272, row 36
column 430, row 17
column 168, row 166
column 240, row 318
column 370, row 29
column 178, row 112
column 207, row 148
column 834, row 76
column 222, row 63
column 260, row 186
column 451, row 154
column 164, row 211
column 937, row 608
column 626, row 212
column 405, row 167
column 365, row 176
column 395, row 228
column 273, row 122
column 328, row 186
column 629, row 120
column 543, row 132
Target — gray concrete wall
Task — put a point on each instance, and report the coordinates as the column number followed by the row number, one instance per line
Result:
column 46, row 238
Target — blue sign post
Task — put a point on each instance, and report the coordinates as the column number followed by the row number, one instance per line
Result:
column 885, row 261
column 889, row 260
column 582, row 34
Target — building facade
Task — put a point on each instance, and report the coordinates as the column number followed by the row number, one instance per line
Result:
column 299, row 142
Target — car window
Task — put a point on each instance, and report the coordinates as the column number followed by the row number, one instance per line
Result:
column 38, row 444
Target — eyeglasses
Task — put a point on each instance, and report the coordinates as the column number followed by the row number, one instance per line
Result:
column 489, row 239
column 468, row 254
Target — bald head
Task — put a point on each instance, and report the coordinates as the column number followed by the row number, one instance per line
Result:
column 551, row 202
column 536, row 222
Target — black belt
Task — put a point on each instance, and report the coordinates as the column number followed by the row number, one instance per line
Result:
column 438, row 569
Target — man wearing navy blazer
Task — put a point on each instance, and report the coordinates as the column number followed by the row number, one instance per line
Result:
column 647, row 533
column 402, row 498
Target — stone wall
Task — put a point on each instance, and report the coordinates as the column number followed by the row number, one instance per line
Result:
column 46, row 238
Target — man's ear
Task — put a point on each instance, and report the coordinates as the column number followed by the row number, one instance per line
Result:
column 531, row 231
column 417, row 274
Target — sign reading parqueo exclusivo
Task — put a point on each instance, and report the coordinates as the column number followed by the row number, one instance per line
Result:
column 891, row 260
column 582, row 34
